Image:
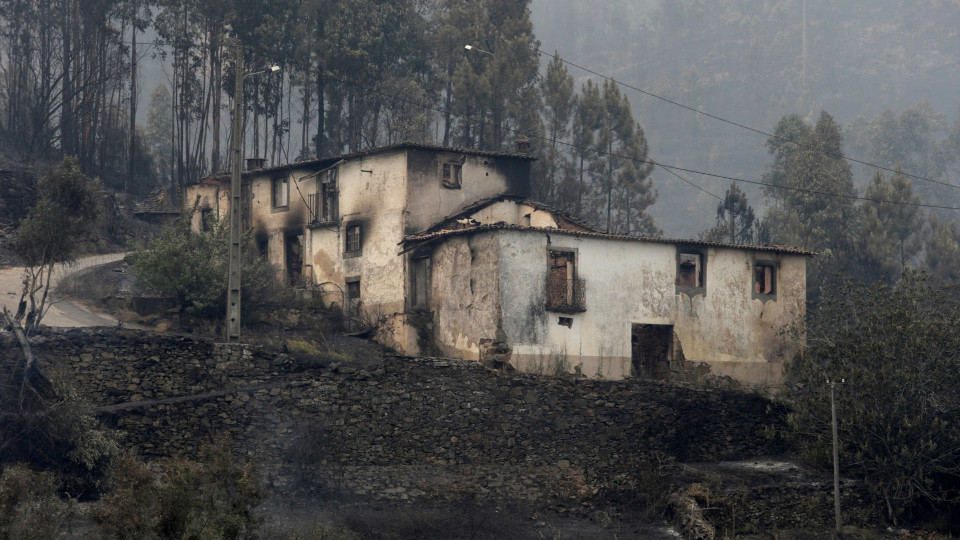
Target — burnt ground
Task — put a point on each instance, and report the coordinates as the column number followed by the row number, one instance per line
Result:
column 772, row 497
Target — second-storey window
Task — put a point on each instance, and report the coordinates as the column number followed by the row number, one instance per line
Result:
column 281, row 192
column 691, row 271
column 765, row 280
column 354, row 240
column 452, row 173
column 565, row 291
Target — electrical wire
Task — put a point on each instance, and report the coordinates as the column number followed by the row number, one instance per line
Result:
column 671, row 169
column 731, row 122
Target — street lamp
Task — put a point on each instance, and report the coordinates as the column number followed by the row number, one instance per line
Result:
column 233, row 270
column 496, row 92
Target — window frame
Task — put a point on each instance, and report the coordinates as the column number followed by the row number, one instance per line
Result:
column 347, row 252
column 701, row 287
column 415, row 294
column 773, row 267
column 285, row 181
column 455, row 178
column 573, row 300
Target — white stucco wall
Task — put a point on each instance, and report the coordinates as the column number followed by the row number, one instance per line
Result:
column 630, row 282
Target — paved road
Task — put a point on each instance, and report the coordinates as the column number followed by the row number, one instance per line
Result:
column 63, row 313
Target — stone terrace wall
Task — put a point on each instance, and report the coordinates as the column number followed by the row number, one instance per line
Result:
column 402, row 427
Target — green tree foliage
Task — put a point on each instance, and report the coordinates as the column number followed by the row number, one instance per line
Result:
column 159, row 133
column 61, row 223
column 622, row 188
column 49, row 426
column 493, row 90
column 192, row 267
column 891, row 234
column 942, row 253
column 736, row 222
column 895, row 349
column 555, row 181
column 811, row 185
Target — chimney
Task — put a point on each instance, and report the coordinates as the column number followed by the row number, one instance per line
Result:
column 255, row 163
column 523, row 144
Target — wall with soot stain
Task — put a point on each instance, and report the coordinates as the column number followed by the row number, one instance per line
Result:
column 465, row 293
column 630, row 282
column 483, row 177
column 371, row 194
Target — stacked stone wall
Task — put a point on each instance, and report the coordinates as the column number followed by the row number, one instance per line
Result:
column 402, row 427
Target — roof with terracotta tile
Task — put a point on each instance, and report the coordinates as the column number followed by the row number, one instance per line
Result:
column 378, row 150
column 427, row 237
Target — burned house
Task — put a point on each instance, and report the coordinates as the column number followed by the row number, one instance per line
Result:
column 440, row 250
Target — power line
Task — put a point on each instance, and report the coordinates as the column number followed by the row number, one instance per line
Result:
column 724, row 120
column 669, row 168
column 646, row 159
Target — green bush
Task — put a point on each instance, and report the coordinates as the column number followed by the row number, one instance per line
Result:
column 29, row 506
column 192, row 267
column 897, row 351
column 210, row 499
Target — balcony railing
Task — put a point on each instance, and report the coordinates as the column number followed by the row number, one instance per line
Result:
column 566, row 295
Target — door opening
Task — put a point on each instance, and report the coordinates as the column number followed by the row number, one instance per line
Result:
column 651, row 350
column 294, row 248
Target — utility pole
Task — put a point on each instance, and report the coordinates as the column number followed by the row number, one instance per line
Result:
column 233, row 272
column 836, row 454
column 232, row 327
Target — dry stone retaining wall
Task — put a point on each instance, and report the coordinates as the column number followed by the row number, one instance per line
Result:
column 402, row 427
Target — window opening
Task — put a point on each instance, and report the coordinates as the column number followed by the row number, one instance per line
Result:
column 419, row 283
column 764, row 280
column 329, row 198
column 352, row 304
column 452, row 175
column 565, row 291
column 281, row 192
column 353, row 240
column 565, row 321
column 691, row 271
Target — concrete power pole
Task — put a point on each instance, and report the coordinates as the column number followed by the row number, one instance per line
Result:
column 233, row 272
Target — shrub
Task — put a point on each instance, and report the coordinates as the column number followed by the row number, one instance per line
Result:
column 52, row 427
column 29, row 506
column 898, row 351
column 192, row 267
column 212, row 498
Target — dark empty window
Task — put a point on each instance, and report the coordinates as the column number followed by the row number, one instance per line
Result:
column 353, row 243
column 281, row 193
column 764, row 280
column 452, row 175
column 352, row 301
column 691, row 271
column 565, row 291
column 329, row 198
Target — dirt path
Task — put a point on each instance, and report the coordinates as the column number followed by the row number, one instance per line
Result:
column 63, row 313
